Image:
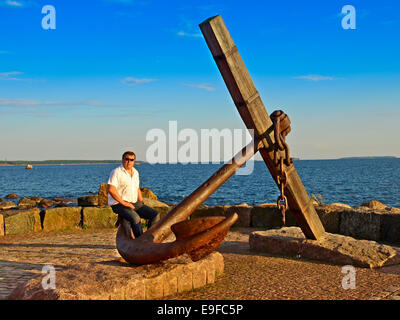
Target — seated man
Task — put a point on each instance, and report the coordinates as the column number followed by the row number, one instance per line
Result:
column 125, row 197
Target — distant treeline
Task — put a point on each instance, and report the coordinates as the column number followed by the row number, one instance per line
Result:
column 369, row 157
column 25, row 162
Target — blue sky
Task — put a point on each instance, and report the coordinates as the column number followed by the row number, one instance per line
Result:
column 114, row 69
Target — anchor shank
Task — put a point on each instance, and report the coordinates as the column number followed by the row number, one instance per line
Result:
column 162, row 229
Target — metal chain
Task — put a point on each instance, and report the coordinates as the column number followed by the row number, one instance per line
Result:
column 281, row 129
column 281, row 202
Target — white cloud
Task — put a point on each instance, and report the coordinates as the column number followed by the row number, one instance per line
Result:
column 10, row 76
column 129, row 81
column 191, row 35
column 14, row 3
column 315, row 77
column 204, row 86
column 30, row 103
column 18, row 3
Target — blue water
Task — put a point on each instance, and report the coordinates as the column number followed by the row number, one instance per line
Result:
column 350, row 181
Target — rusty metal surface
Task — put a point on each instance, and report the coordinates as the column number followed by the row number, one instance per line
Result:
column 202, row 235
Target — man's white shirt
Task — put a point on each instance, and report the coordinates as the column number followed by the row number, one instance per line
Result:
column 126, row 185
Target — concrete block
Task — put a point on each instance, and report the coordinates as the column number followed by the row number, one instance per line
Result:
column 21, row 221
column 361, row 224
column 61, row 218
column 98, row 217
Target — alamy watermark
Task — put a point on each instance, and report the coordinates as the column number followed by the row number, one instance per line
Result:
column 187, row 146
column 349, row 280
column 49, row 20
column 49, row 280
column 349, row 19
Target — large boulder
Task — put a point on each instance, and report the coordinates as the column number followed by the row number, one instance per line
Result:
column 65, row 200
column 332, row 248
column 12, row 196
column 46, row 203
column 22, row 221
column 95, row 217
column 338, row 204
column 88, row 201
column 7, row 205
column 36, row 199
column 103, row 195
column 159, row 206
column 25, row 203
column 147, row 193
column 61, row 218
column 373, row 204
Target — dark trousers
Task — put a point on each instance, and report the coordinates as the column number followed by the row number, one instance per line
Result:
column 134, row 216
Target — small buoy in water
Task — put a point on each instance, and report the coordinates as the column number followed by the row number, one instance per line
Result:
column 28, row 166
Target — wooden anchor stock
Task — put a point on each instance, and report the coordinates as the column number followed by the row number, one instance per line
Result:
column 253, row 113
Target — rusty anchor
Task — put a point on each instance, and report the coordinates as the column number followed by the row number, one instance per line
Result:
column 199, row 237
column 196, row 237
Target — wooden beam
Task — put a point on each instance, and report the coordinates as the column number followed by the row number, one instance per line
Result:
column 253, row 113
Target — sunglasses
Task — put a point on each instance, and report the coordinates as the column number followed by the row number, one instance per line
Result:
column 127, row 159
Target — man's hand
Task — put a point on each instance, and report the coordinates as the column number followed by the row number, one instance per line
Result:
column 128, row 204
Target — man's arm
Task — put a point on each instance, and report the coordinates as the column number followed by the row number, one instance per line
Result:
column 114, row 193
column 139, row 195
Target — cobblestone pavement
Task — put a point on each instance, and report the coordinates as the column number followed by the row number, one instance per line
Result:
column 247, row 275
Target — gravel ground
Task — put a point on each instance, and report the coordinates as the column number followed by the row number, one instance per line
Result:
column 247, row 276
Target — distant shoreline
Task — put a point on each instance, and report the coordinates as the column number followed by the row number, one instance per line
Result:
column 88, row 162
column 59, row 162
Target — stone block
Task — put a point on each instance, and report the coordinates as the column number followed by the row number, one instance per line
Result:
column 199, row 277
column 61, row 218
column 331, row 248
column 330, row 216
column 361, row 223
column 268, row 216
column 154, row 287
column 185, row 281
column 171, row 283
column 135, row 290
column 1, row 225
column 211, row 273
column 244, row 212
column 98, row 217
column 218, row 262
column 22, row 221
column 208, row 212
column 88, row 201
column 390, row 227
column 103, row 195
